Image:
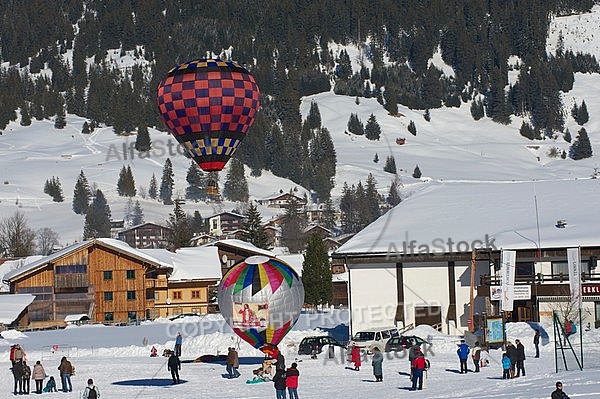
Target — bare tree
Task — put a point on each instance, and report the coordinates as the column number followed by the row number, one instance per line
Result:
column 47, row 239
column 17, row 239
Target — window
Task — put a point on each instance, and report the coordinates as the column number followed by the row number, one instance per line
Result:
column 559, row 268
column 108, row 296
column 195, row 294
column 130, row 274
column 130, row 295
column 109, row 316
column 177, row 295
column 132, row 315
column 71, row 269
column 524, row 269
column 108, row 275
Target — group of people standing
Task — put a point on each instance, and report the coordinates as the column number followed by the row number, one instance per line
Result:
column 22, row 374
column 513, row 360
column 285, row 378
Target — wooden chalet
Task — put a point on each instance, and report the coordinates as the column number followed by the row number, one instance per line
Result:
column 224, row 223
column 145, row 235
column 103, row 278
column 283, row 200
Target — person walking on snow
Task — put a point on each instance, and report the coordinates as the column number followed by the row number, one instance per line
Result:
column 476, row 356
column 291, row 380
column 377, row 364
column 419, row 365
column 178, row 342
column 520, row 364
column 536, row 342
column 558, row 393
column 463, row 354
column 505, row 367
column 233, row 363
column 91, row 391
column 356, row 357
column 174, row 365
column 66, row 369
column 38, row 376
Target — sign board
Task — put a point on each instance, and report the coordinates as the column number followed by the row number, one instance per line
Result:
column 494, row 331
column 247, row 315
column 590, row 289
column 521, row 292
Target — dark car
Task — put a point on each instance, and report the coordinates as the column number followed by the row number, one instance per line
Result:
column 403, row 342
column 308, row 344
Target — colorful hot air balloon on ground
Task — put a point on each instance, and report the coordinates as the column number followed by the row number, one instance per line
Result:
column 208, row 106
column 261, row 299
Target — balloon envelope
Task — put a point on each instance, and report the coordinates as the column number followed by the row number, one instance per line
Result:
column 208, row 106
column 261, row 299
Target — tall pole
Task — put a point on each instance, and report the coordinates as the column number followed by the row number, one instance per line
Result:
column 472, row 297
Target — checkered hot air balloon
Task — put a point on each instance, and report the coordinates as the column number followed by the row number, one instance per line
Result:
column 208, row 106
column 261, row 299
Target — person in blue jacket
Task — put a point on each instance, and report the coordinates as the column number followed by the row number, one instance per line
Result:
column 463, row 354
column 178, row 342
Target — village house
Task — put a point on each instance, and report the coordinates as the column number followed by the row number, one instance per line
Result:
column 145, row 235
column 283, row 200
column 419, row 263
column 224, row 223
column 112, row 282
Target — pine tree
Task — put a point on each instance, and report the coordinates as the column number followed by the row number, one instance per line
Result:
column 180, row 233
column 236, row 185
column 196, row 189
column 412, row 128
column 81, row 195
column 167, row 182
column 581, row 147
column 582, row 115
column 316, row 273
column 137, row 214
column 142, row 140
column 417, row 172
column 85, row 129
column 153, row 189
column 314, row 116
column 372, row 130
column 427, row 115
column 292, row 230
column 25, row 117
column 567, row 136
column 60, row 121
column 126, row 183
column 53, row 188
column 390, row 165
column 197, row 224
column 355, row 125
column 477, row 111
column 97, row 218
column 394, row 197
column 254, row 231
column 372, row 198
column 376, row 158
column 328, row 215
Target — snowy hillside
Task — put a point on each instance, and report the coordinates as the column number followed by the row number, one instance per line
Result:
column 452, row 146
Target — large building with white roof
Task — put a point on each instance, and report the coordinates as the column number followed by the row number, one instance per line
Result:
column 413, row 264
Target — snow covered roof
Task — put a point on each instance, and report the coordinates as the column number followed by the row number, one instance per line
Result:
column 107, row 242
column 501, row 215
column 196, row 263
column 10, row 265
column 294, row 260
column 11, row 306
column 76, row 317
column 232, row 242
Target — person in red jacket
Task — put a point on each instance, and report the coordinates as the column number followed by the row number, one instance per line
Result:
column 291, row 380
column 418, row 365
column 356, row 357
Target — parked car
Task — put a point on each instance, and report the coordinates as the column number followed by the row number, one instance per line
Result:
column 403, row 342
column 375, row 337
column 317, row 343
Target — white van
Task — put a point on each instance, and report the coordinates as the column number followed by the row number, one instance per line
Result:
column 374, row 337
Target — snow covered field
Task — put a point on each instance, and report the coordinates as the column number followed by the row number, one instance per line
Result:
column 120, row 365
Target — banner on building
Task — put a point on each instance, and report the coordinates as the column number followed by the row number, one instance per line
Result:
column 508, row 259
column 574, row 264
column 520, row 293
